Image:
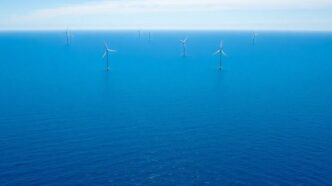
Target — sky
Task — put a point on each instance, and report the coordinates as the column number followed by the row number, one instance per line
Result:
column 166, row 14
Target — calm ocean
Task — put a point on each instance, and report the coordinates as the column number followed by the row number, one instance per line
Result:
column 159, row 119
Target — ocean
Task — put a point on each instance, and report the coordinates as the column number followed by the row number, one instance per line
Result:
column 157, row 118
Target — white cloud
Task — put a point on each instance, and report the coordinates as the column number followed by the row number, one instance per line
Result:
column 131, row 6
column 145, row 9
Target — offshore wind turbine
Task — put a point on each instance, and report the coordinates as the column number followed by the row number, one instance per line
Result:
column 184, row 46
column 68, row 36
column 221, row 53
column 139, row 35
column 254, row 38
column 106, row 54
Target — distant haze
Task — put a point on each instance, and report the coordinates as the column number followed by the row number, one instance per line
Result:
column 167, row 14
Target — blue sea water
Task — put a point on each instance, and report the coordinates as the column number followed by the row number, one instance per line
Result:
column 159, row 119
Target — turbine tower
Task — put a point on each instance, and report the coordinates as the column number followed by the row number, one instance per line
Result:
column 106, row 54
column 221, row 53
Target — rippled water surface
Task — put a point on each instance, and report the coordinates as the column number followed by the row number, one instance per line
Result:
column 159, row 119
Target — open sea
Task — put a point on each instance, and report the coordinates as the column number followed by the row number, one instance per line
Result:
column 157, row 118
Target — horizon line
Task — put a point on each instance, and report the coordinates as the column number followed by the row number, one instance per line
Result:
column 163, row 29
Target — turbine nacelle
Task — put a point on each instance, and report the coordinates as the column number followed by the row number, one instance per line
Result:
column 220, row 51
column 184, row 41
column 108, row 50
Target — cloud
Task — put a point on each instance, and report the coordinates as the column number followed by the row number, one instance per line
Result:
column 167, row 10
column 150, row 6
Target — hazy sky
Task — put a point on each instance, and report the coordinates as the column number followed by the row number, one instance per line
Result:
column 167, row 14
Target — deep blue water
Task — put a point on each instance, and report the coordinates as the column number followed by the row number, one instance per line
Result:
column 159, row 119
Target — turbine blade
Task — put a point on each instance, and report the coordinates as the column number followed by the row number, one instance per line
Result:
column 217, row 52
column 104, row 55
column 223, row 53
column 111, row 50
column 106, row 46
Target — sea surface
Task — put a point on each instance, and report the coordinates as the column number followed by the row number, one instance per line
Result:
column 157, row 118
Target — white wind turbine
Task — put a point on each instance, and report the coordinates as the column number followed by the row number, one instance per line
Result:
column 68, row 36
column 106, row 54
column 184, row 46
column 139, row 35
column 221, row 53
column 254, row 38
